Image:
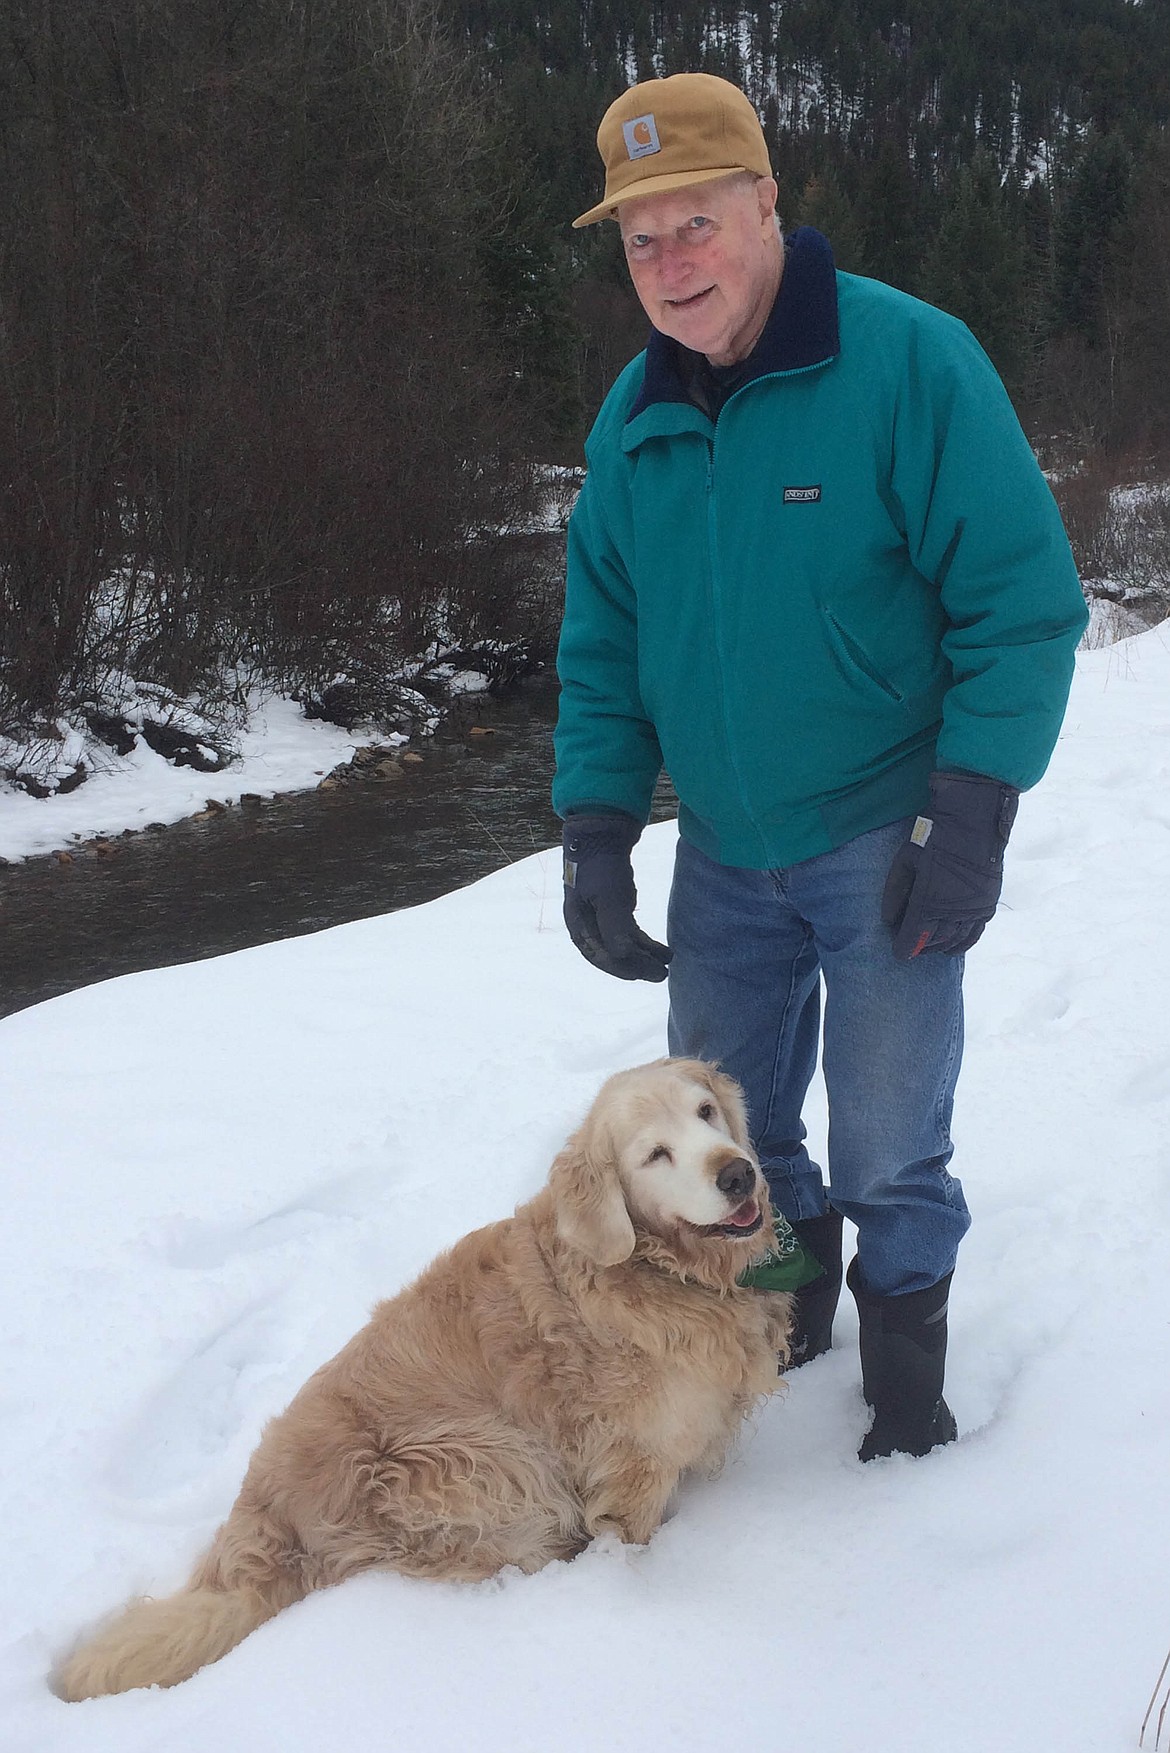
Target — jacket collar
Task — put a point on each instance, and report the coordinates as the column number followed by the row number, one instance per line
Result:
column 801, row 330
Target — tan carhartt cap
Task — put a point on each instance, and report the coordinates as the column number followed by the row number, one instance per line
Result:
column 666, row 133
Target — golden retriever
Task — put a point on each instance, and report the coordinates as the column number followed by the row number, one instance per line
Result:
column 545, row 1381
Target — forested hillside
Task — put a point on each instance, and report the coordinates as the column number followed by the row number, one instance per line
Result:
column 1007, row 160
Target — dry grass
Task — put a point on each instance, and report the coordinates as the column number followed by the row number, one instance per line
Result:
column 1162, row 1686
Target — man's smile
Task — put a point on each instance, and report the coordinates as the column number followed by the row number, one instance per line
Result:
column 691, row 300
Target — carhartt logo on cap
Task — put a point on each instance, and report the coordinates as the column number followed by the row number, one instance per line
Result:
column 641, row 137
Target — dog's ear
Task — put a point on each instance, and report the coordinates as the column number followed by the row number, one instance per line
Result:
column 588, row 1203
column 730, row 1098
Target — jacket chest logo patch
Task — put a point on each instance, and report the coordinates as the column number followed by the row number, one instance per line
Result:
column 802, row 495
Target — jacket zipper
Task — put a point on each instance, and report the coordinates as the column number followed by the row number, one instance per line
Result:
column 716, row 585
column 717, row 643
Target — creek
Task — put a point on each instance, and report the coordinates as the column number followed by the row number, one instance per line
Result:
column 478, row 799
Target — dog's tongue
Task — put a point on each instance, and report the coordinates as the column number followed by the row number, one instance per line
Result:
column 744, row 1215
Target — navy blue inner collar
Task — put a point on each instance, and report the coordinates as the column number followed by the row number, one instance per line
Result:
column 801, row 330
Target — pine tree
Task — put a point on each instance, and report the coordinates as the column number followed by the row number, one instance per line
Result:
column 976, row 266
column 825, row 205
column 1095, row 238
column 889, row 204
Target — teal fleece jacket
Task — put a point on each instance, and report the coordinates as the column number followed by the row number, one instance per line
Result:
column 855, row 575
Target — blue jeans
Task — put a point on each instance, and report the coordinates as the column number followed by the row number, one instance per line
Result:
column 750, row 947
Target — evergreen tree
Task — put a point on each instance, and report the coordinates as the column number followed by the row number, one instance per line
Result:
column 1095, row 238
column 889, row 209
column 1145, row 308
column 825, row 205
column 976, row 266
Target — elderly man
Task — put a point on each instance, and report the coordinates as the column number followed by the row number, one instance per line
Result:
column 815, row 572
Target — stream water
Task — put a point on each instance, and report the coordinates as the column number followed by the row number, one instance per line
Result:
column 299, row 863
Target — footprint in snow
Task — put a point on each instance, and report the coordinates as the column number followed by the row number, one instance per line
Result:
column 182, row 1429
column 1039, row 1012
column 1150, row 1083
column 199, row 1246
column 1037, row 846
column 631, row 1044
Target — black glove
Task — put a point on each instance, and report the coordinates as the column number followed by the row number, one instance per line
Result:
column 600, row 898
column 944, row 883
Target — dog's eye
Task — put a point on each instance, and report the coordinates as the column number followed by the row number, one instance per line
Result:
column 660, row 1154
column 707, row 1111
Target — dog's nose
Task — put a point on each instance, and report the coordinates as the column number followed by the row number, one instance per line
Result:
column 737, row 1178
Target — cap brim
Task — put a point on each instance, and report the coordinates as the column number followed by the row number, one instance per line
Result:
column 661, row 185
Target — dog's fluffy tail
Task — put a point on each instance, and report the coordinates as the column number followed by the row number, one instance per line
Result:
column 159, row 1643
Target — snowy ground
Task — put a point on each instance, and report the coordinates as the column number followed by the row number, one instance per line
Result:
column 281, row 750
column 212, row 1171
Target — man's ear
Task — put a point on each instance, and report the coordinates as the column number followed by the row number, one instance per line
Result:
column 588, row 1203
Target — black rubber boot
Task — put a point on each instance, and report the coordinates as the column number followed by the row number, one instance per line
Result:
column 815, row 1304
column 903, row 1356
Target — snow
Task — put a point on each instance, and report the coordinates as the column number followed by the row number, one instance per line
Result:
column 1109, row 621
column 280, row 750
column 213, row 1171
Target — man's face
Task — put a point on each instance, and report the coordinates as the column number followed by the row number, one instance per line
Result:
column 706, row 262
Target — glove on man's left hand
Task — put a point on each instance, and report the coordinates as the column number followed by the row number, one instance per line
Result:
column 944, row 883
column 600, row 898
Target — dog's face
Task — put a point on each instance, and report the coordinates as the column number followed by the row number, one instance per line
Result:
column 665, row 1149
column 679, row 1159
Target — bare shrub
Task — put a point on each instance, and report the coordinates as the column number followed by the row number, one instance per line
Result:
column 252, row 365
column 1120, row 535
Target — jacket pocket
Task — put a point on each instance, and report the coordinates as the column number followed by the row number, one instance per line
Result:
column 857, row 664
